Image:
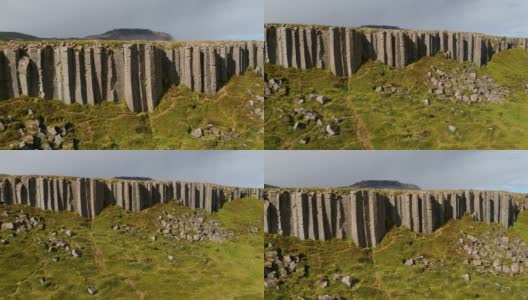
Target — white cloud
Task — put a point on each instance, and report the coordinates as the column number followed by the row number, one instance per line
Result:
column 488, row 16
column 183, row 19
column 238, row 168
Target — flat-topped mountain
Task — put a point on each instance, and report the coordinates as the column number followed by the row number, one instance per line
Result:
column 133, row 178
column 381, row 27
column 384, row 184
column 127, row 34
column 17, row 36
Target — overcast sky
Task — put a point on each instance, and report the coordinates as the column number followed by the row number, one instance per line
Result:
column 235, row 168
column 504, row 17
column 183, row 19
column 489, row 170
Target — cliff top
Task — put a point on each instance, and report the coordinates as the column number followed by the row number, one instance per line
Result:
column 372, row 28
column 116, row 43
column 131, row 179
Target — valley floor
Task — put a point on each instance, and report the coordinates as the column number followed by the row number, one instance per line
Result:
column 127, row 262
column 232, row 119
column 381, row 107
column 439, row 264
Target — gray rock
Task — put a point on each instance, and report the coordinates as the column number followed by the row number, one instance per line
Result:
column 304, row 141
column 466, row 277
column 426, row 102
column 76, row 253
column 332, row 129
column 69, row 233
column 8, row 226
column 170, row 257
column 92, row 290
column 299, row 126
column 348, row 280
column 452, row 128
column 477, row 262
column 197, row 133
column 42, row 280
column 378, row 89
column 409, row 262
column 322, row 99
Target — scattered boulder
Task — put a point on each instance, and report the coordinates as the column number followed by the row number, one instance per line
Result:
column 192, row 227
column 92, row 290
column 197, row 133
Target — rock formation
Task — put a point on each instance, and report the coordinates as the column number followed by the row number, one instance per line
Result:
column 136, row 73
column 88, row 196
column 365, row 215
column 343, row 50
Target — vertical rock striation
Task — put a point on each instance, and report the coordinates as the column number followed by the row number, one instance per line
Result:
column 342, row 50
column 136, row 73
column 88, row 196
column 364, row 216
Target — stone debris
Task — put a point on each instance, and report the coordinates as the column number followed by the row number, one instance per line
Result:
column 23, row 222
column 494, row 252
column 125, row 228
column 36, row 135
column 463, row 85
column 330, row 297
column 421, row 261
column 344, row 279
column 192, row 227
column 92, row 290
column 275, row 86
column 278, row 268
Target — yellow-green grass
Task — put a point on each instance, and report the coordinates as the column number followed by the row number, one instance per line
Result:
column 131, row 265
column 113, row 126
column 402, row 121
column 382, row 273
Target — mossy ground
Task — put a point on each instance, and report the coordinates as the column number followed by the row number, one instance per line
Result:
column 382, row 274
column 112, row 126
column 378, row 121
column 131, row 265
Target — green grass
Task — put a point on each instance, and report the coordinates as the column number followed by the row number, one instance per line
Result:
column 382, row 274
column 112, row 126
column 378, row 121
column 130, row 265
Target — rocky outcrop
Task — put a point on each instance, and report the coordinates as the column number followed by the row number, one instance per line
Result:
column 136, row 73
column 365, row 215
column 343, row 50
column 88, row 196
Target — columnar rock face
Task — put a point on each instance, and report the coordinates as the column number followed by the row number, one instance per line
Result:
column 136, row 73
column 343, row 50
column 364, row 216
column 88, row 196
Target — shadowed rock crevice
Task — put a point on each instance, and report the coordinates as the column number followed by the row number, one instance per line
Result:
column 365, row 216
column 89, row 196
column 343, row 49
column 138, row 74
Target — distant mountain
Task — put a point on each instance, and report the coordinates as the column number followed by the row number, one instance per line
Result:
column 269, row 186
column 133, row 178
column 17, row 36
column 125, row 34
column 384, row 184
column 381, row 27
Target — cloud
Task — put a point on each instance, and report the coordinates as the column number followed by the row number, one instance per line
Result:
column 237, row 168
column 183, row 19
column 504, row 170
column 487, row 16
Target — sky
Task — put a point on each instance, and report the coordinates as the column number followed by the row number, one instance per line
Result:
column 234, row 168
column 504, row 17
column 486, row 170
column 183, row 19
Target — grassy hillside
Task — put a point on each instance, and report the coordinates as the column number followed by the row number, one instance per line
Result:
column 17, row 36
column 129, row 265
column 372, row 120
column 382, row 274
column 113, row 126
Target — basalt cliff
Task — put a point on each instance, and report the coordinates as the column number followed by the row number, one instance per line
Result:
column 364, row 216
column 343, row 50
column 90, row 72
column 88, row 196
